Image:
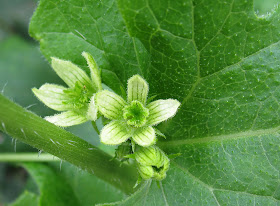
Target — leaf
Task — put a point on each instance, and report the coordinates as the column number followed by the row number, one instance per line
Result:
column 218, row 59
column 53, row 189
column 88, row 188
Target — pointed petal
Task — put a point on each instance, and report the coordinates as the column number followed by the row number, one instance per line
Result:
column 66, row 119
column 114, row 133
column 70, row 73
column 110, row 104
column 161, row 110
column 53, row 96
column 137, row 89
column 92, row 109
column 144, row 136
column 94, row 71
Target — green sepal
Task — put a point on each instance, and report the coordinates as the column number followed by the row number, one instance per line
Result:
column 144, row 136
column 53, row 96
column 114, row 133
column 162, row 110
column 70, row 73
column 92, row 112
column 94, row 71
column 66, row 119
column 138, row 182
column 159, row 133
column 110, row 104
column 137, row 89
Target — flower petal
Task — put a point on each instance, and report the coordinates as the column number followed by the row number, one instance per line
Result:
column 66, row 119
column 53, row 96
column 161, row 110
column 114, row 133
column 92, row 109
column 110, row 104
column 94, row 71
column 144, row 136
column 70, row 73
column 137, row 89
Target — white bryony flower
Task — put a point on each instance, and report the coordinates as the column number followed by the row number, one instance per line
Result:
column 152, row 162
column 76, row 103
column 133, row 119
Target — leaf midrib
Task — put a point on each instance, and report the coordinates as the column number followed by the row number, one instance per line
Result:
column 219, row 138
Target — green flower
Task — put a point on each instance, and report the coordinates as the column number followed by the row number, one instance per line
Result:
column 133, row 119
column 76, row 103
column 152, row 162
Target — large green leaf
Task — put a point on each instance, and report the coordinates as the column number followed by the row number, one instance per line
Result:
column 218, row 58
column 26, row 198
column 88, row 188
column 54, row 190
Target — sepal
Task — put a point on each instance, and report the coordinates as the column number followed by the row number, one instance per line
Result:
column 94, row 71
column 53, row 96
column 66, row 119
column 92, row 110
column 110, row 104
column 114, row 133
column 137, row 89
column 162, row 110
column 144, row 136
column 70, row 73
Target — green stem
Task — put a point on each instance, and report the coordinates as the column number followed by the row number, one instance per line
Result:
column 35, row 131
column 27, row 157
column 95, row 127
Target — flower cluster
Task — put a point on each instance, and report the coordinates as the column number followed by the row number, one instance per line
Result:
column 76, row 103
column 133, row 120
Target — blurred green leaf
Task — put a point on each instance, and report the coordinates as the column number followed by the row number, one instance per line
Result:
column 21, row 68
column 26, row 199
column 89, row 189
column 15, row 16
column 53, row 188
column 265, row 7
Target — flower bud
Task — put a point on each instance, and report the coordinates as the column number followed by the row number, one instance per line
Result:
column 152, row 163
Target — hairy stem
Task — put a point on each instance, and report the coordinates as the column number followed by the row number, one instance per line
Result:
column 35, row 131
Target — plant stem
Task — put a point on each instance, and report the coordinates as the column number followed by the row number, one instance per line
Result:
column 27, row 157
column 35, row 131
column 95, row 127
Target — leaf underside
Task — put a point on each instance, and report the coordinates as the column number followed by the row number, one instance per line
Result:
column 217, row 58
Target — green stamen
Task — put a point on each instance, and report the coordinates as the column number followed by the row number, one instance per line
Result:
column 135, row 114
column 80, row 95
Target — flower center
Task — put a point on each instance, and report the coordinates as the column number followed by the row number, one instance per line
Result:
column 135, row 114
column 79, row 95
